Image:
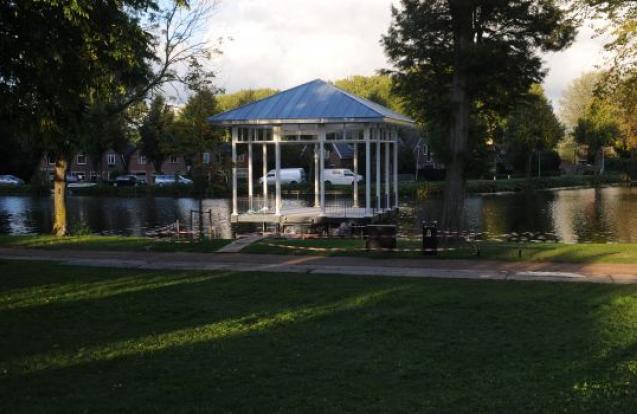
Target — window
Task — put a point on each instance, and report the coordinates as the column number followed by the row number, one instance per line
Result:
column 172, row 159
column 81, row 159
column 205, row 157
column 142, row 160
column 111, row 159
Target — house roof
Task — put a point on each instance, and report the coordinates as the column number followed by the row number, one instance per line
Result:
column 313, row 102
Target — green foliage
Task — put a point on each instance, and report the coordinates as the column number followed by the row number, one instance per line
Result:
column 158, row 133
column 506, row 36
column 375, row 88
column 230, row 101
column 578, row 97
column 531, row 127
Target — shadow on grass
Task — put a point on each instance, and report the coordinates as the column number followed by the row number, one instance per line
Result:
column 289, row 343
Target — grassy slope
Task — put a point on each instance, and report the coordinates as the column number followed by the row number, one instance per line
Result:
column 556, row 252
column 119, row 243
column 98, row 340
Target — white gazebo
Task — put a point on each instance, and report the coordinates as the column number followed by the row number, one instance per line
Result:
column 316, row 114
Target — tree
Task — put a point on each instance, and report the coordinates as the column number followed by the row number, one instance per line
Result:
column 620, row 21
column 456, row 59
column 375, row 88
column 532, row 127
column 230, row 101
column 598, row 129
column 578, row 97
column 59, row 59
column 157, row 132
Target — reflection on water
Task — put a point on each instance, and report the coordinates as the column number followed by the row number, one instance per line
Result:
column 574, row 215
column 577, row 215
column 131, row 216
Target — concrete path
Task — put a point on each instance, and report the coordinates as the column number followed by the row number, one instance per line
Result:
column 238, row 245
column 242, row 262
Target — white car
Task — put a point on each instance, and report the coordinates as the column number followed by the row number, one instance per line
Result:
column 287, row 176
column 172, row 179
column 340, row 176
column 11, row 180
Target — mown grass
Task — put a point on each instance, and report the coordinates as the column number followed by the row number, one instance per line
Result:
column 99, row 340
column 113, row 243
column 488, row 250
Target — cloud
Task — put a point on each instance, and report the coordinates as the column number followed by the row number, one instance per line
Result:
column 282, row 43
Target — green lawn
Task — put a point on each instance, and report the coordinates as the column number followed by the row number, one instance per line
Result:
column 98, row 340
column 118, row 243
column 549, row 252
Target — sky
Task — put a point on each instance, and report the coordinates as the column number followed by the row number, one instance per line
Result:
column 283, row 43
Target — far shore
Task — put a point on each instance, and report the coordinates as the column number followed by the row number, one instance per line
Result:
column 407, row 190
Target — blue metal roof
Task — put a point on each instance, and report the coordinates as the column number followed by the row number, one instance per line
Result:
column 315, row 101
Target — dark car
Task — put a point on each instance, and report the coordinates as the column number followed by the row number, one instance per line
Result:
column 128, row 181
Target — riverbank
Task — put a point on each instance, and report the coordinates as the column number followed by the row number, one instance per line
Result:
column 410, row 190
column 177, row 341
column 110, row 243
column 486, row 250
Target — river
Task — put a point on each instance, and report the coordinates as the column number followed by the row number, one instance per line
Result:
column 575, row 215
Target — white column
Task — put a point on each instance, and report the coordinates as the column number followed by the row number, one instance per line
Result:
column 387, row 175
column 265, row 176
column 368, row 172
column 379, row 149
column 396, row 168
column 317, row 171
column 321, row 169
column 355, row 189
column 250, row 178
column 277, row 165
column 235, row 209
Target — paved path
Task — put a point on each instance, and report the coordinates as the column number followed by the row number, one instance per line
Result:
column 238, row 245
column 467, row 269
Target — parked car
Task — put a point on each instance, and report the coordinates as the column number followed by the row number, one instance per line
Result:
column 11, row 180
column 172, row 179
column 340, row 176
column 287, row 176
column 128, row 180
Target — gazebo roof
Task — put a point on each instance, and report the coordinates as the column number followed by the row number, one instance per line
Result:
column 313, row 102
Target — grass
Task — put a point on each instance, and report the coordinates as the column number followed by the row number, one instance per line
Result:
column 545, row 252
column 116, row 243
column 104, row 340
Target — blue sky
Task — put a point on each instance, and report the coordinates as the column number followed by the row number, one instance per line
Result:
column 282, row 43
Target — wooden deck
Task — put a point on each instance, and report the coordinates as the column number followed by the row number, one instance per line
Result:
column 307, row 215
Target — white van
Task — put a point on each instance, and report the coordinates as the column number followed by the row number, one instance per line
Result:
column 340, row 176
column 288, row 176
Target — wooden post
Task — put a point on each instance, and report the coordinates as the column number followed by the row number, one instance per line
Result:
column 235, row 209
column 396, row 168
column 368, row 172
column 378, row 153
column 277, row 165
column 387, row 176
column 355, row 187
column 322, row 169
column 265, row 176
column 317, row 186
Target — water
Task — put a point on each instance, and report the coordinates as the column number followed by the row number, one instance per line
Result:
column 575, row 215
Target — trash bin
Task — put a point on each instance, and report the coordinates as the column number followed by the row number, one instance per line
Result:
column 429, row 239
column 381, row 236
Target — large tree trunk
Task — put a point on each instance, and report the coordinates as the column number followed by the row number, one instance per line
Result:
column 453, row 205
column 59, row 197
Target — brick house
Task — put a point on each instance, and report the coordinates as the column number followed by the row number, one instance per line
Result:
column 114, row 163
